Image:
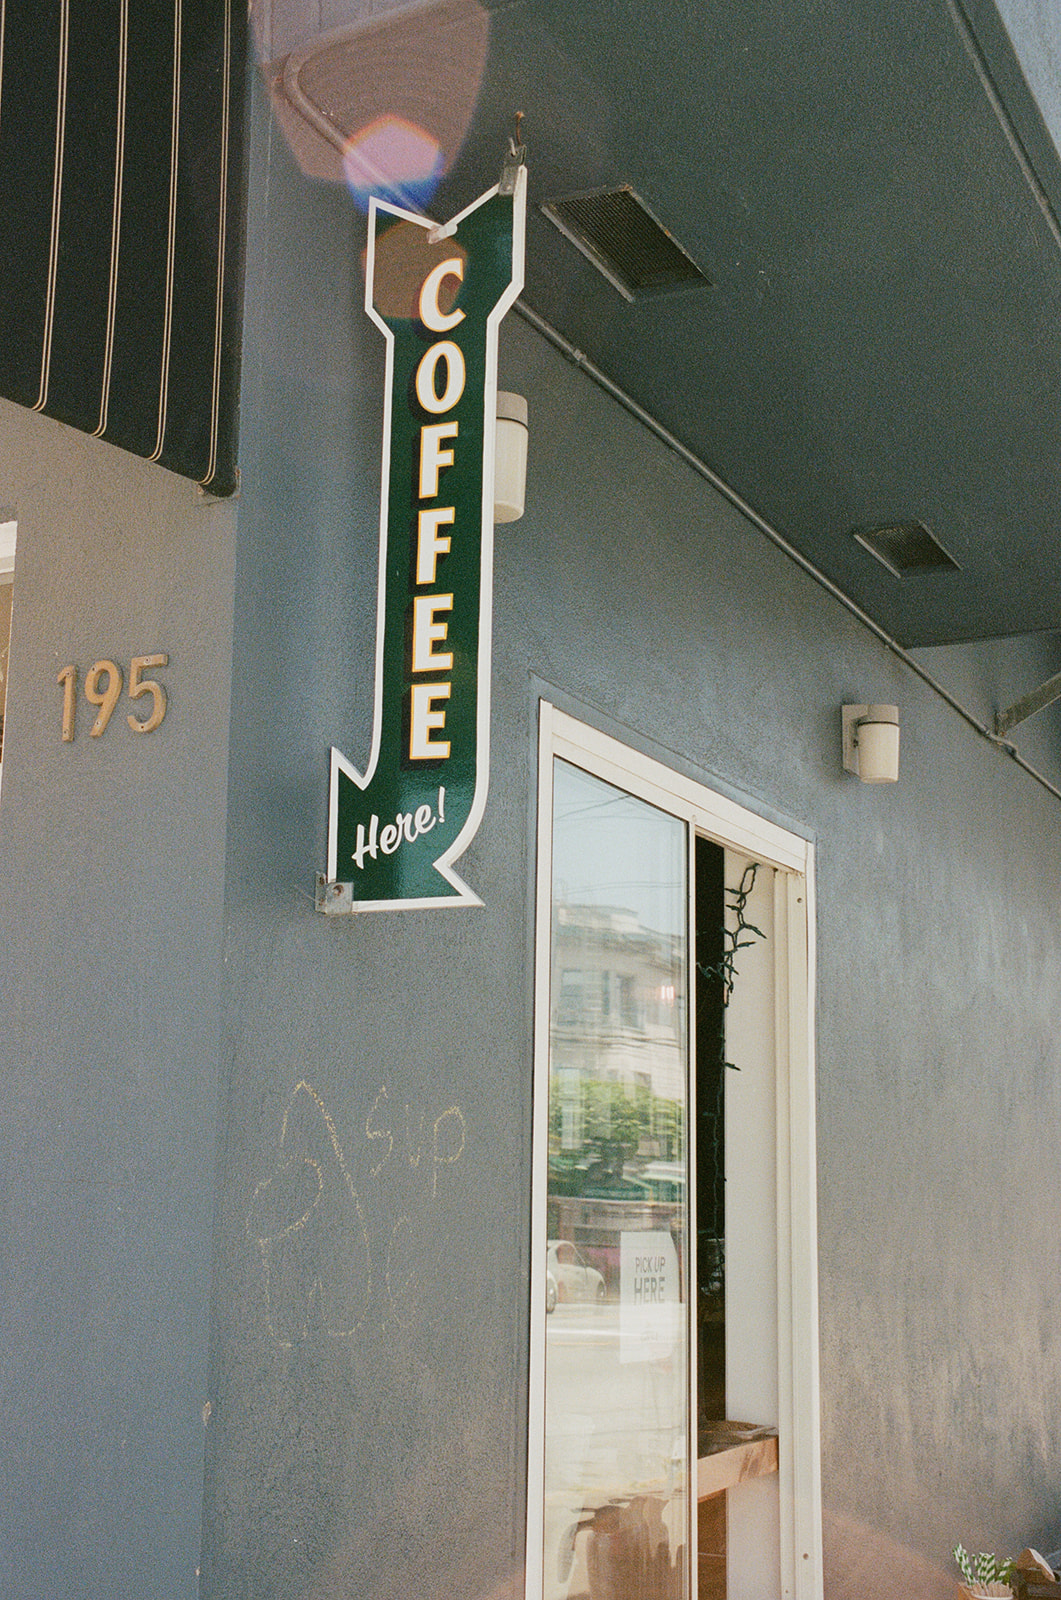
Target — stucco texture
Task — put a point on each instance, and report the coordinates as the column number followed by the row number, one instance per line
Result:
column 368, row 1383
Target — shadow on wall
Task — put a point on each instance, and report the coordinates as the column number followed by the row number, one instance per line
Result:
column 862, row 1563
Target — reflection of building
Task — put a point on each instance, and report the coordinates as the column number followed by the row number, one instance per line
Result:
column 617, row 1006
column 618, row 1070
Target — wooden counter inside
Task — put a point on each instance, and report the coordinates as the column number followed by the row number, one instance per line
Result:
column 732, row 1452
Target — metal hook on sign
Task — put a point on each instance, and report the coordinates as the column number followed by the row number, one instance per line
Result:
column 516, row 158
column 442, row 230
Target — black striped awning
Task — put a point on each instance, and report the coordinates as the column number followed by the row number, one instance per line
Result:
column 121, row 222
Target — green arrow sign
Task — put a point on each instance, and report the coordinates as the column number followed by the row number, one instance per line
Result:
column 438, row 295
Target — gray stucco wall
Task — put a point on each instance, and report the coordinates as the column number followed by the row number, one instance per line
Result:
column 368, row 1373
column 1032, row 29
column 111, row 875
column 992, row 675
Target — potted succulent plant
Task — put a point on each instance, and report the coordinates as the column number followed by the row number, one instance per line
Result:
column 982, row 1574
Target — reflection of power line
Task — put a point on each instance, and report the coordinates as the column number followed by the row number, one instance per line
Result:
column 598, row 888
column 630, row 813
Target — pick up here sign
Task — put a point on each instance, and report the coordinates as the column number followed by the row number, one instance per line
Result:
column 437, row 294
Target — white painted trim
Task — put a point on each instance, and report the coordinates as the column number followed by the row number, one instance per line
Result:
column 57, row 197
column 797, row 1247
column 116, row 218
column 712, row 814
column 8, row 544
column 737, row 828
column 692, row 1432
column 171, row 236
column 540, row 1156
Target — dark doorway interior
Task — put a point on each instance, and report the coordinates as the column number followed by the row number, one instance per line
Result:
column 710, row 1132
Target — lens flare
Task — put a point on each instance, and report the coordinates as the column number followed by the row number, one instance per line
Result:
column 394, row 160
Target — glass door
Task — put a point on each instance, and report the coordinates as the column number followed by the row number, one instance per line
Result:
column 616, row 1445
column 673, row 1404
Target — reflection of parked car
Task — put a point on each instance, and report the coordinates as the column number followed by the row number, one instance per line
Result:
column 574, row 1279
column 550, row 1293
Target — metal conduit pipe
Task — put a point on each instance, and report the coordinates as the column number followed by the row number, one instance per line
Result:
column 579, row 359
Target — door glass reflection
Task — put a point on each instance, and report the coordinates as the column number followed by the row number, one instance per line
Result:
column 616, row 1368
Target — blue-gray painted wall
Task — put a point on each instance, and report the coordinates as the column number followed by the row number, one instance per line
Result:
column 164, row 978
column 111, row 892
column 391, row 1461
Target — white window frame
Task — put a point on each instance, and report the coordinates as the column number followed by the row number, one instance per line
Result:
column 733, row 826
column 8, row 540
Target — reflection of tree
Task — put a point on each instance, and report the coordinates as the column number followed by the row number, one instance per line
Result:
column 596, row 1127
column 609, row 1117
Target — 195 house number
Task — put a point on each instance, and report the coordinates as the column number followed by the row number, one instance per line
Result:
column 103, row 688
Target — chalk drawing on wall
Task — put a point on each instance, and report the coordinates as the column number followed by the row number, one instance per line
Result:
column 448, row 1138
column 407, row 1191
column 317, row 1233
column 308, row 1224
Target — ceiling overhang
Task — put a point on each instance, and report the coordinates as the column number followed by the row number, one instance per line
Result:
column 872, row 191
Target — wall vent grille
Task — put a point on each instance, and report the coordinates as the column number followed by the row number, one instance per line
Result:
column 907, row 549
column 615, row 230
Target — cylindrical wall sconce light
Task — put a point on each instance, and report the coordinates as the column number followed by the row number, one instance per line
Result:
column 510, row 457
column 871, row 742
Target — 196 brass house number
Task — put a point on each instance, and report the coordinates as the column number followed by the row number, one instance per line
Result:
column 103, row 688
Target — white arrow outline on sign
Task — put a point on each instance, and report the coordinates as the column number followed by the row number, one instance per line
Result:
column 443, row 865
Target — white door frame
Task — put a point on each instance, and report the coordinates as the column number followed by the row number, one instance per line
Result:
column 734, row 827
